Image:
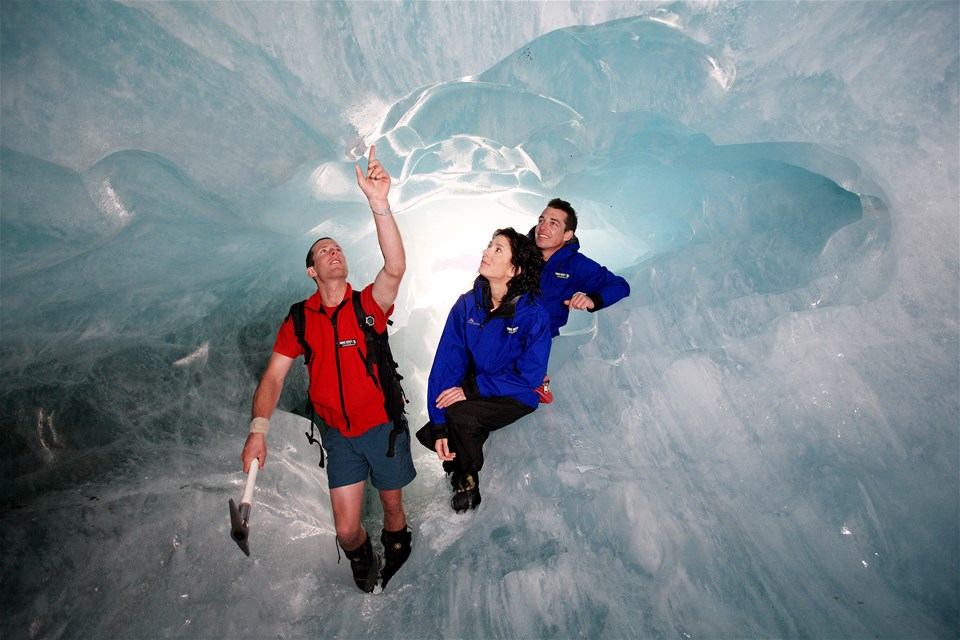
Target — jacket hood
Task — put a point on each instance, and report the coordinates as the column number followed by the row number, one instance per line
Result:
column 482, row 299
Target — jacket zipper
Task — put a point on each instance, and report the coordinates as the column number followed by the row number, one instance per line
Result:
column 336, row 353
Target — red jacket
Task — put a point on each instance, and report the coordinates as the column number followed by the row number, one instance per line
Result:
column 344, row 396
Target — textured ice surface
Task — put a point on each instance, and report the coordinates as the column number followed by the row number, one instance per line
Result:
column 762, row 441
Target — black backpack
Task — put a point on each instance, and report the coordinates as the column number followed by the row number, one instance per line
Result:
column 387, row 377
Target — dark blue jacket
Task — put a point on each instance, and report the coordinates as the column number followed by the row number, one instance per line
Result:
column 568, row 272
column 503, row 353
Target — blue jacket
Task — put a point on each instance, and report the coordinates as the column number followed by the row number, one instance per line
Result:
column 503, row 353
column 568, row 272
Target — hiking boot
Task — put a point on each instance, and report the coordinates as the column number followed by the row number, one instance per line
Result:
column 366, row 564
column 396, row 550
column 466, row 493
column 546, row 397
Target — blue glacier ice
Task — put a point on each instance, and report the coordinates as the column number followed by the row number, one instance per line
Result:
column 762, row 441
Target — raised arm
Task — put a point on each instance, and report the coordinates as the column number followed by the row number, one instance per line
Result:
column 375, row 184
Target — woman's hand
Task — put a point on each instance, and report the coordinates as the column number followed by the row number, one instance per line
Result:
column 451, row 396
column 443, row 450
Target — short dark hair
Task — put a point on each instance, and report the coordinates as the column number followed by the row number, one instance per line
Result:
column 526, row 256
column 566, row 207
column 310, row 252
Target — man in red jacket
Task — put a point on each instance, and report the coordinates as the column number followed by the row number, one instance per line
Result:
column 345, row 397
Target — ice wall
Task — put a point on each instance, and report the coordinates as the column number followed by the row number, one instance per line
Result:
column 762, row 441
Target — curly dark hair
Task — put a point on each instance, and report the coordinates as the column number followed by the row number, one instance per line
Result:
column 525, row 256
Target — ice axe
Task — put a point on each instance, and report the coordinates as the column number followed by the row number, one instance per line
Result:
column 240, row 516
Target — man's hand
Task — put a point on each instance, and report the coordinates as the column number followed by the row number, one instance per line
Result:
column 254, row 447
column 579, row 301
column 451, row 396
column 376, row 183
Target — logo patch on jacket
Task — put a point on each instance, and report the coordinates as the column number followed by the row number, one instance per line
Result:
column 512, row 329
column 561, row 275
column 347, row 343
column 470, row 320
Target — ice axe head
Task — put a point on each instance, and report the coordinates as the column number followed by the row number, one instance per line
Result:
column 239, row 529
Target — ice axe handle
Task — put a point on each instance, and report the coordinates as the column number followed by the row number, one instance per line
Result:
column 240, row 516
column 251, row 481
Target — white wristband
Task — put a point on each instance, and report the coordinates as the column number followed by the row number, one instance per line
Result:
column 385, row 212
column 259, row 425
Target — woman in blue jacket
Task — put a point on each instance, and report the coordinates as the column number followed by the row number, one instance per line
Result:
column 492, row 355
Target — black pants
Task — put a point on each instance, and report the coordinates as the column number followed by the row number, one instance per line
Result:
column 470, row 422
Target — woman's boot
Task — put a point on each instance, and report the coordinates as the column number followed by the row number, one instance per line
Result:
column 466, row 491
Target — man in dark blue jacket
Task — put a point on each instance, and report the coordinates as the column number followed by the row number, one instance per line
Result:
column 570, row 280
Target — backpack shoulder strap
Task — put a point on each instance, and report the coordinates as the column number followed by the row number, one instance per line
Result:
column 366, row 322
column 298, row 315
column 364, row 319
column 378, row 351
